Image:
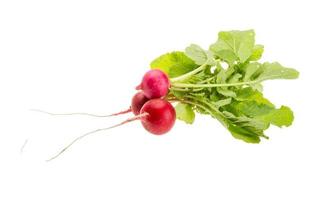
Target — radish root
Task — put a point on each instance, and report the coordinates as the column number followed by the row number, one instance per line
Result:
column 81, row 113
column 95, row 131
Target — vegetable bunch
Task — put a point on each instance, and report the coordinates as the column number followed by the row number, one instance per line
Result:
column 224, row 82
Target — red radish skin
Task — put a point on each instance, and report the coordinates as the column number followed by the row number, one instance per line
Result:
column 161, row 116
column 155, row 84
column 138, row 100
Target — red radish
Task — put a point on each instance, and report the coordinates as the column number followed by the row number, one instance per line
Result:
column 161, row 116
column 155, row 84
column 138, row 100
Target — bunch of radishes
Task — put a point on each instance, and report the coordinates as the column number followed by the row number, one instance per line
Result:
column 157, row 115
column 200, row 83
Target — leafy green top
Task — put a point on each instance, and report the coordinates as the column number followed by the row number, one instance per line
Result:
column 232, row 94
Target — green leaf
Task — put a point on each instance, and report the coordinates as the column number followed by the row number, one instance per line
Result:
column 251, row 103
column 257, row 53
column 280, row 117
column 257, row 86
column 245, row 128
column 249, row 70
column 174, row 64
column 222, row 102
column 252, row 108
column 275, row 70
column 234, row 45
column 185, row 113
column 198, row 55
column 253, row 124
column 249, row 94
column 221, row 77
column 235, row 78
column 226, row 92
column 243, row 134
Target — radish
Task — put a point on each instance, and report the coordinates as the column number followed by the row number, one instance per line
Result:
column 155, row 84
column 138, row 100
column 161, row 116
column 157, row 116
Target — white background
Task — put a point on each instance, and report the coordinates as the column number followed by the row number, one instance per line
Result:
column 65, row 56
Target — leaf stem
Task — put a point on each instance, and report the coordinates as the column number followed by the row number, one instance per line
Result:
column 191, row 103
column 186, row 89
column 214, row 112
column 207, row 80
column 189, row 85
column 189, row 74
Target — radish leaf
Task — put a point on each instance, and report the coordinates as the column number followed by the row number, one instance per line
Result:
column 185, row 113
column 234, row 45
column 198, row 55
column 174, row 64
